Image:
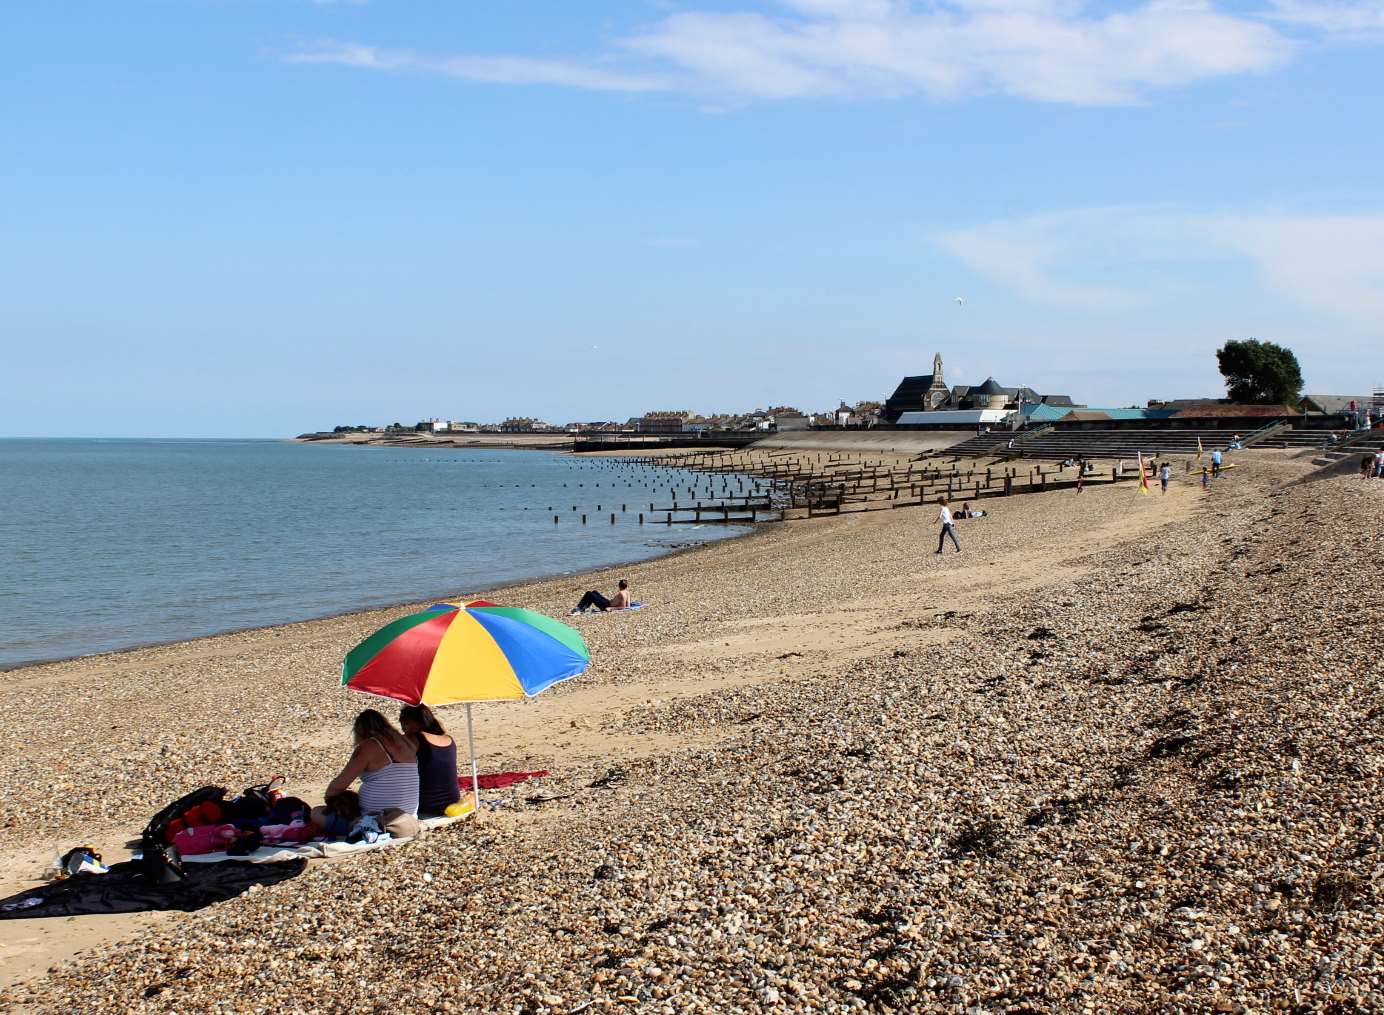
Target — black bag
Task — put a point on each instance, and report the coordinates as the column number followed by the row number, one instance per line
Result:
column 156, row 832
column 255, row 802
column 160, row 864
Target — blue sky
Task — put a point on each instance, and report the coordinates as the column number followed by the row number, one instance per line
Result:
column 256, row 217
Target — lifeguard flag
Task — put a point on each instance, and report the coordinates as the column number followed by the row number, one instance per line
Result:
column 1199, row 449
column 1143, row 476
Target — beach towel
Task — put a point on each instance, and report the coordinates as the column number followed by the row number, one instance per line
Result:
column 325, row 848
column 499, row 780
column 124, row 890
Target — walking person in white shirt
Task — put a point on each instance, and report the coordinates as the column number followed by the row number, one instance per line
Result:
column 944, row 518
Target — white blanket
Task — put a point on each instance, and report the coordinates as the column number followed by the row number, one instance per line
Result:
column 322, row 848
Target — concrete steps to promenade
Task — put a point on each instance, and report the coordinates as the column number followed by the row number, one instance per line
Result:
column 1353, row 445
column 1127, row 442
column 984, row 444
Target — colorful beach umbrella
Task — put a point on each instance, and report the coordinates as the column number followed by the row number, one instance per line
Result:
column 465, row 652
column 469, row 651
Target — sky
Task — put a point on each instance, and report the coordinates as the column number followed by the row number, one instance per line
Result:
column 261, row 217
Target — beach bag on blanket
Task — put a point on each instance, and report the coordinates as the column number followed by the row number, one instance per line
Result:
column 255, row 802
column 203, row 806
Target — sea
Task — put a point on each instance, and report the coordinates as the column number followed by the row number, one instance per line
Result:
column 111, row 544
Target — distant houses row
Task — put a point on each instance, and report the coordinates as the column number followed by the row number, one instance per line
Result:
column 924, row 401
column 665, row 421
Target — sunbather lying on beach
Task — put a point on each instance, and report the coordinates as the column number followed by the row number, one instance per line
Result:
column 619, row 601
column 385, row 762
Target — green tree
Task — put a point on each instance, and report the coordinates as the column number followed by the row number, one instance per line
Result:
column 1260, row 372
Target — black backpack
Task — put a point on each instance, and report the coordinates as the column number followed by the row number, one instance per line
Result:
column 156, row 832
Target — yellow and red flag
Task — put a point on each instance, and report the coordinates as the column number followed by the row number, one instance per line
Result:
column 1199, row 449
column 1143, row 476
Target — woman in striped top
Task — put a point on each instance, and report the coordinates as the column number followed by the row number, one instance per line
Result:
column 386, row 763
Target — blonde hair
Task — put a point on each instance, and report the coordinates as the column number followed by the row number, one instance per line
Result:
column 371, row 723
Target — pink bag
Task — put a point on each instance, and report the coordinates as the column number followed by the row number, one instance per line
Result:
column 203, row 839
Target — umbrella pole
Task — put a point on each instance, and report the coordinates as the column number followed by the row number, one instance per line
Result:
column 475, row 775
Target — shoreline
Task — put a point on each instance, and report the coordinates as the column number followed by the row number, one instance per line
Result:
column 363, row 610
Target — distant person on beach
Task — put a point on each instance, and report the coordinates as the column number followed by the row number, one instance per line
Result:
column 1164, row 474
column 385, row 762
column 944, row 518
column 1205, row 478
column 966, row 511
column 437, row 759
column 619, row 601
column 1216, row 463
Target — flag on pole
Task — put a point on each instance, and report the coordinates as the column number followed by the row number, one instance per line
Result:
column 1143, row 476
column 1199, row 449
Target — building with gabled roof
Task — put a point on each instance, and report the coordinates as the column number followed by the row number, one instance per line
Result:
column 929, row 393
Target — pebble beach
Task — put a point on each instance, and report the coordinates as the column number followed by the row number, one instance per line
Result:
column 1122, row 753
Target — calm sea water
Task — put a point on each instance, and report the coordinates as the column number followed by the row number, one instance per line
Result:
column 108, row 544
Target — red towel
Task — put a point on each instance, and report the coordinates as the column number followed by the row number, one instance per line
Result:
column 499, row 780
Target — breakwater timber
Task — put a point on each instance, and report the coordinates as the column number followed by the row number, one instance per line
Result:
column 809, row 484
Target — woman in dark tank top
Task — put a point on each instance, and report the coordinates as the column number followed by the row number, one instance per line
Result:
column 437, row 759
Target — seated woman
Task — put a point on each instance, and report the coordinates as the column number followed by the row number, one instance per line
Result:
column 437, row 759
column 385, row 762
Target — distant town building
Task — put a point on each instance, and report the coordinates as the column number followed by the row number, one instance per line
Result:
column 524, row 424
column 671, row 421
column 925, row 393
column 1334, row 404
column 788, row 422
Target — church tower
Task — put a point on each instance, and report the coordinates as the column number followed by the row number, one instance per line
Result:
column 937, row 394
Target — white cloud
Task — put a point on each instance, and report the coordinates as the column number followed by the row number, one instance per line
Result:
column 1328, row 265
column 507, row 70
column 1036, row 257
column 1332, row 263
column 1045, row 50
column 1363, row 19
